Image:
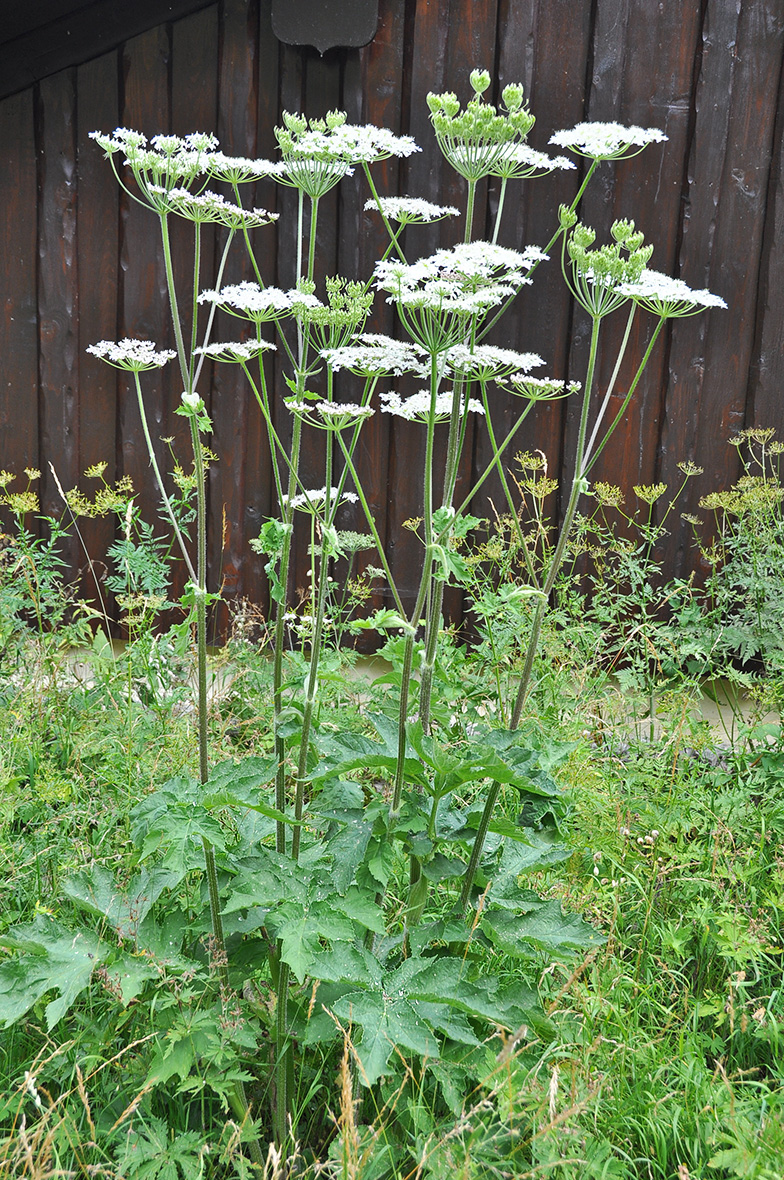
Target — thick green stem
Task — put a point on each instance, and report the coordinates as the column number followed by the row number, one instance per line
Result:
column 469, row 223
column 436, row 600
column 500, row 210
column 434, row 594
column 578, row 486
column 277, row 688
column 372, row 525
column 312, row 237
column 392, row 233
column 167, row 259
column 591, row 458
column 159, row 481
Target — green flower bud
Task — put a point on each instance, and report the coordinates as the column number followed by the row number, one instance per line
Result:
column 294, row 123
column 480, row 80
column 566, row 217
column 621, row 230
column 450, row 104
column 583, row 236
column 512, row 96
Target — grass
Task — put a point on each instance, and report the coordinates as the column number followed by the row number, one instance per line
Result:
column 664, row 1059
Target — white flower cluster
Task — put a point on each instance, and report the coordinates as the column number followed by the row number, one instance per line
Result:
column 510, row 161
column 469, row 278
column 237, row 169
column 169, row 160
column 410, row 210
column 417, row 408
column 352, row 143
column 259, row 303
column 211, row 207
column 136, row 355
column 377, row 354
column 486, row 362
column 319, row 499
column 340, row 414
column 235, row 350
column 314, row 175
column 606, row 141
column 329, row 415
column 668, row 297
column 539, row 389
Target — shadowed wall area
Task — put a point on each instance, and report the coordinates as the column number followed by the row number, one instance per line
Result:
column 80, row 261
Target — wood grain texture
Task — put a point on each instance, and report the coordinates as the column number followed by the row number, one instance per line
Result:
column 143, row 308
column 58, row 296
column 81, row 262
column 97, row 244
column 238, row 482
column 728, row 175
column 19, row 322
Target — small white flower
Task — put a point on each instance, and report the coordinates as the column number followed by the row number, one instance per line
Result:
column 238, row 169
column 668, row 297
column 486, row 361
column 506, row 160
column 319, row 500
column 417, row 408
column 339, row 415
column 377, row 354
column 538, row 389
column 191, row 400
column 212, row 207
column 235, row 350
column 607, row 141
column 259, row 303
column 410, row 210
column 31, row 1088
column 136, row 355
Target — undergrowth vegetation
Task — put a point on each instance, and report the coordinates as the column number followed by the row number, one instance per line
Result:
column 504, row 907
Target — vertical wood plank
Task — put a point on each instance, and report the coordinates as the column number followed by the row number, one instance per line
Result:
column 546, row 47
column 237, row 485
column 144, row 306
column 766, row 379
column 19, row 322
column 722, row 233
column 97, row 88
column 58, row 299
column 194, row 70
column 373, row 93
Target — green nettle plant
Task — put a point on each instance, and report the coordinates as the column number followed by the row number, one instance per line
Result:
column 357, row 882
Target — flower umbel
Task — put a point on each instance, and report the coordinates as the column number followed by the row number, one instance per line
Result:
column 607, row 141
column 136, row 355
column 667, row 297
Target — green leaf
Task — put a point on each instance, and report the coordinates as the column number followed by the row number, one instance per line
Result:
column 387, row 1021
column 300, row 932
column 129, row 973
column 271, row 541
column 545, row 928
column 447, row 1020
column 245, row 776
column 518, row 859
column 51, row 959
column 342, row 752
column 347, row 963
column 94, row 891
column 348, row 846
column 179, row 834
column 360, row 906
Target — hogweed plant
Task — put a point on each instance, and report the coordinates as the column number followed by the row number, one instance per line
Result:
column 356, row 876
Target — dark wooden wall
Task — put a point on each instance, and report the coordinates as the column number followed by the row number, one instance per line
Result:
column 80, row 263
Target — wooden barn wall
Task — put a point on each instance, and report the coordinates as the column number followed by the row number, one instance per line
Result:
column 80, row 262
